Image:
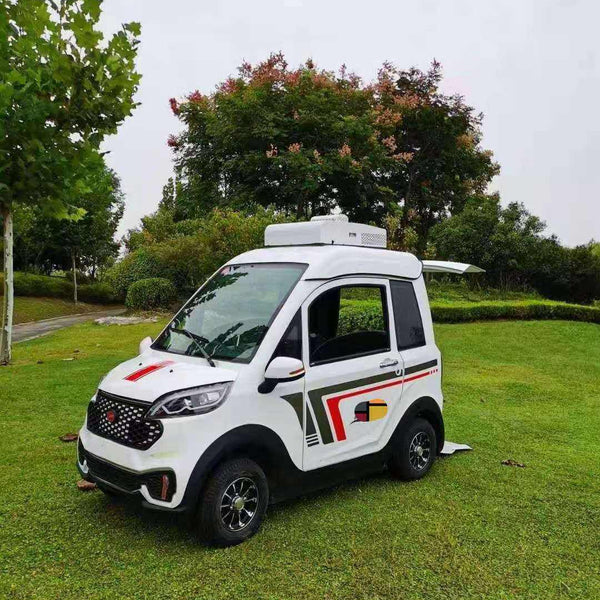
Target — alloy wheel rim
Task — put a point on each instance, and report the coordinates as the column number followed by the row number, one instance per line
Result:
column 239, row 503
column 419, row 452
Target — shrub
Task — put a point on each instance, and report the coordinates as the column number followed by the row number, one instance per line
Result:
column 99, row 293
column 137, row 265
column 30, row 284
column 187, row 260
column 356, row 314
column 515, row 310
column 151, row 293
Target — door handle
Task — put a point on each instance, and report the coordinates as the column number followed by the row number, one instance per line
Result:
column 388, row 362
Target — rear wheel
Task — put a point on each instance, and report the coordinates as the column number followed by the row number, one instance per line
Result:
column 415, row 452
column 233, row 504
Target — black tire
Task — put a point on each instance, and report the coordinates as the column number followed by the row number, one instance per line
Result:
column 227, row 526
column 405, row 462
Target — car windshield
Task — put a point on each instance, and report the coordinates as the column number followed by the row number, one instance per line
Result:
column 229, row 316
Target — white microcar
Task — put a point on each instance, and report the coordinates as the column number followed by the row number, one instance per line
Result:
column 293, row 367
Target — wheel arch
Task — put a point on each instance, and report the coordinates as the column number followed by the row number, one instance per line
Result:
column 426, row 408
column 256, row 442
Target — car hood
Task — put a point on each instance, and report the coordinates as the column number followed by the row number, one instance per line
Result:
column 152, row 375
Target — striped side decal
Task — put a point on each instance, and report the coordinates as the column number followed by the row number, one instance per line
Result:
column 147, row 370
column 312, row 440
column 384, row 380
column 331, row 405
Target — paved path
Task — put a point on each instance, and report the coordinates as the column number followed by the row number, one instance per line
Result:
column 28, row 331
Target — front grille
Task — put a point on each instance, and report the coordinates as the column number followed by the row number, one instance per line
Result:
column 122, row 420
column 129, row 481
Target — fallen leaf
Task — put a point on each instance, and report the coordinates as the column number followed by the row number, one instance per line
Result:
column 75, row 351
column 40, row 362
column 71, row 358
column 68, row 437
column 509, row 462
column 86, row 486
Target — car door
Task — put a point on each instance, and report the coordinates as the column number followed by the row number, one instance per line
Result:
column 421, row 359
column 353, row 377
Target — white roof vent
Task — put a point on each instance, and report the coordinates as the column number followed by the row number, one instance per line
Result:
column 329, row 229
column 339, row 217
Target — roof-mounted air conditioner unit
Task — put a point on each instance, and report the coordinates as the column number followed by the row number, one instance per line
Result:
column 330, row 229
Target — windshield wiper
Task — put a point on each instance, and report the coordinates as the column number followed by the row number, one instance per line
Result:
column 196, row 339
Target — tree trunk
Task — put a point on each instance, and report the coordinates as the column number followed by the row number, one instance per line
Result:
column 74, row 277
column 8, row 298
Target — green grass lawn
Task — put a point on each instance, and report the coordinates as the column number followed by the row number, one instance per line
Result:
column 35, row 309
column 471, row 529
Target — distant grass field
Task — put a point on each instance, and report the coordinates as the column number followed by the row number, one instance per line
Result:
column 472, row 529
column 35, row 309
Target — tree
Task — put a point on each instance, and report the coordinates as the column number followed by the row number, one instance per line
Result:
column 308, row 141
column 62, row 89
column 45, row 243
column 300, row 140
column 509, row 244
column 434, row 161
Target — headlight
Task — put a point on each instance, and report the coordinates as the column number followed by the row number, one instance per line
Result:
column 192, row 401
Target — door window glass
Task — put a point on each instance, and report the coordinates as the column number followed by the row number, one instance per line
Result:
column 348, row 321
column 407, row 317
column 291, row 342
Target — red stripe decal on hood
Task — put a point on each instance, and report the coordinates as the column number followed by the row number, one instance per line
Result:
column 147, row 370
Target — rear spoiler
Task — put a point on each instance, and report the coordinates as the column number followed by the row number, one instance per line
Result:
column 442, row 266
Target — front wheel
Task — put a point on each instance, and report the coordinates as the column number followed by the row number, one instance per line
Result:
column 233, row 504
column 414, row 454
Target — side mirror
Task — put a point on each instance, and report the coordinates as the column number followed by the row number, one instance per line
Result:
column 145, row 344
column 280, row 369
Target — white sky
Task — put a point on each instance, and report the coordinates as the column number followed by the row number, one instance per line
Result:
column 531, row 66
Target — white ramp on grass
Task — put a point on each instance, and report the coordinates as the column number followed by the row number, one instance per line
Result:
column 451, row 448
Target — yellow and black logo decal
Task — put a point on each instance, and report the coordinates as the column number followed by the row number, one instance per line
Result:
column 371, row 410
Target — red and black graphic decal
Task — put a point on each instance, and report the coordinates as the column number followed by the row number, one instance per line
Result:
column 147, row 370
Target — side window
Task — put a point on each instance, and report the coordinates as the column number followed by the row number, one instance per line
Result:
column 291, row 342
column 348, row 321
column 409, row 326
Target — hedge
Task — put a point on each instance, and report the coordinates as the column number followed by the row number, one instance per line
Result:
column 147, row 294
column 29, row 284
column 357, row 314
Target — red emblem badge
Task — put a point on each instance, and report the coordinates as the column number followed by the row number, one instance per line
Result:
column 111, row 416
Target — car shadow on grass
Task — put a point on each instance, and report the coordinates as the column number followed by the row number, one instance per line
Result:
column 137, row 522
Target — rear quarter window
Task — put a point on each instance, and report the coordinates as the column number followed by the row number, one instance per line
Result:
column 407, row 316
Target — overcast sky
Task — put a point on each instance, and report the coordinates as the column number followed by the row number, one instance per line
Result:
column 532, row 67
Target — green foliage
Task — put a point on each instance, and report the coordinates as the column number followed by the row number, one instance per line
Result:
column 140, row 264
column 306, row 141
column 188, row 258
column 44, row 243
column 514, row 310
column 30, row 284
column 359, row 314
column 445, row 289
column 509, row 244
column 148, row 294
column 62, row 89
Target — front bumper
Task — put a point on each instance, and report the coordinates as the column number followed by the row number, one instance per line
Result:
column 155, row 488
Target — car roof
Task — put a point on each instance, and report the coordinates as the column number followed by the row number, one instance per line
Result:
column 330, row 261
